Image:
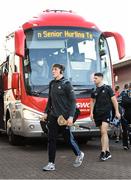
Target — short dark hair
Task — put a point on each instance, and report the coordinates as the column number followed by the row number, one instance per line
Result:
column 99, row 74
column 60, row 66
column 117, row 88
column 126, row 86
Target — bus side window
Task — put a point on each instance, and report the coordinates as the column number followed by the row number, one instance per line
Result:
column 5, row 76
column 15, row 68
column 1, row 82
column 6, row 68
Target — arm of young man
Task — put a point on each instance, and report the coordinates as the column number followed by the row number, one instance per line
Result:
column 115, row 104
column 92, row 104
column 72, row 101
column 48, row 105
column 92, row 108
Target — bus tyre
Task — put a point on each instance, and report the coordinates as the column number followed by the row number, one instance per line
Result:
column 14, row 139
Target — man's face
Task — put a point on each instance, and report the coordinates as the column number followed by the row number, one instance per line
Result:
column 56, row 72
column 98, row 80
column 40, row 62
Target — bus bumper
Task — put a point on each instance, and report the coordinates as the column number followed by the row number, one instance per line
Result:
column 31, row 128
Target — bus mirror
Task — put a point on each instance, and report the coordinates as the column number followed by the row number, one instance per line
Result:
column 119, row 42
column 15, row 80
column 20, row 42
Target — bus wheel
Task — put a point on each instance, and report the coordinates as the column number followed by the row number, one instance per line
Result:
column 14, row 139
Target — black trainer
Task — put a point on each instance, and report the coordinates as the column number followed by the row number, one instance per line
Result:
column 125, row 147
column 108, row 155
column 102, row 156
column 117, row 140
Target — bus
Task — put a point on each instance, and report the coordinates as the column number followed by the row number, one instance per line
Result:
column 55, row 36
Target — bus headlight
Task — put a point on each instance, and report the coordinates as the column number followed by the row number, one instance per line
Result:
column 27, row 114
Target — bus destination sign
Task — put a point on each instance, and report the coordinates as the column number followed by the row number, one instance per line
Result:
column 50, row 34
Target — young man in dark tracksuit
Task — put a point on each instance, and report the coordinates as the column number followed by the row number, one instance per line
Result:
column 61, row 101
column 103, row 98
column 126, row 119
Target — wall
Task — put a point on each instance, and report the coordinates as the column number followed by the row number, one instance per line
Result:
column 124, row 75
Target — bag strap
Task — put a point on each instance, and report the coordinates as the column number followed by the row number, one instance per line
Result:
column 98, row 93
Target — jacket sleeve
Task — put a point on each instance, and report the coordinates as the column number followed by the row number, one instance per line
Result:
column 71, row 98
column 126, row 101
column 48, row 105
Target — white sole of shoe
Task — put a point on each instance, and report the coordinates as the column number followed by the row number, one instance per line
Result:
column 109, row 157
column 48, row 169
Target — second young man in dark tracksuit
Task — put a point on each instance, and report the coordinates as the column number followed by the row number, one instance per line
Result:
column 61, row 101
column 103, row 98
column 126, row 119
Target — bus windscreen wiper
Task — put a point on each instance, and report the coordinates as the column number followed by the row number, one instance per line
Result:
column 82, row 88
column 37, row 93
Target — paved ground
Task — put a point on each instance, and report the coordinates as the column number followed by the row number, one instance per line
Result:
column 26, row 162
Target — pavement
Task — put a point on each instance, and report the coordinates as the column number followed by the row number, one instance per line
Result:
column 26, row 162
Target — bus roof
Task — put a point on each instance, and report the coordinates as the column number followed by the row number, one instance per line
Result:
column 58, row 18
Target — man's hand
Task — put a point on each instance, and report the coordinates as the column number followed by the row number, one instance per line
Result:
column 44, row 117
column 118, row 115
column 70, row 121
